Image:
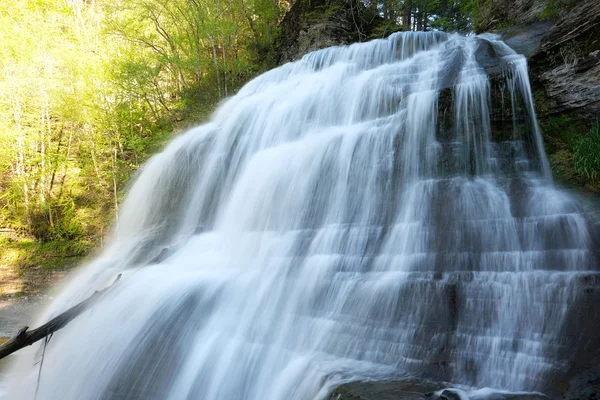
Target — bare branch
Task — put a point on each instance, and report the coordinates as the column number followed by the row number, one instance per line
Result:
column 25, row 338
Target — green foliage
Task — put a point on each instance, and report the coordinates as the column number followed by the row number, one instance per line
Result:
column 423, row 15
column 454, row 16
column 89, row 90
column 26, row 252
column 490, row 14
column 555, row 7
column 562, row 128
column 496, row 14
column 56, row 220
column 586, row 154
column 384, row 29
column 573, row 150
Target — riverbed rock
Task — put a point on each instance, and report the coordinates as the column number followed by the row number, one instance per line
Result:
column 418, row 390
column 561, row 39
column 390, row 390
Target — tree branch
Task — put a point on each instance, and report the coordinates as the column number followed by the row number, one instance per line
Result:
column 25, row 338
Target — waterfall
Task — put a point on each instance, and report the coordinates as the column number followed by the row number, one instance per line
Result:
column 383, row 210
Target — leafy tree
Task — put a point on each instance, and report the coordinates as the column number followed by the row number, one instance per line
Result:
column 423, row 15
column 90, row 89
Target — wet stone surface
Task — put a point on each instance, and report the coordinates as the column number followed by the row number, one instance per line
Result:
column 18, row 312
column 418, row 390
column 393, row 390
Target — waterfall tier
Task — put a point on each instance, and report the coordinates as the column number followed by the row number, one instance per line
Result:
column 364, row 213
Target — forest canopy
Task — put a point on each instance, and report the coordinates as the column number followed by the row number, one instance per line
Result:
column 90, row 88
column 424, row 15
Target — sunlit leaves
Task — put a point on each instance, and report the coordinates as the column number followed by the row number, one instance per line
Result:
column 90, row 89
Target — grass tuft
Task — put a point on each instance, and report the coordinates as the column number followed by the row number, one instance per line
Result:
column 586, row 153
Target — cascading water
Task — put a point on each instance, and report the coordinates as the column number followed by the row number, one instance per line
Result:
column 353, row 215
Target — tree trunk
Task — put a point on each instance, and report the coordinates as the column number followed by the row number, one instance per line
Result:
column 224, row 68
column 113, row 157
column 42, row 137
column 56, row 159
column 21, row 157
column 216, row 62
column 25, row 338
column 406, row 17
column 64, row 173
column 95, row 163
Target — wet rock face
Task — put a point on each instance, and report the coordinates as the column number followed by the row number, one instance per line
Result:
column 304, row 29
column 568, row 61
column 316, row 24
column 585, row 385
column 494, row 12
column 393, row 390
column 563, row 51
column 418, row 390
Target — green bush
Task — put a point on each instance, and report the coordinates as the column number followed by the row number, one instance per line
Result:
column 555, row 7
column 586, row 153
column 56, row 220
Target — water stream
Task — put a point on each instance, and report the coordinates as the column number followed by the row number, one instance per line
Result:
column 354, row 215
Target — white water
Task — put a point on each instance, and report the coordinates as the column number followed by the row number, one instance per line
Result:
column 335, row 220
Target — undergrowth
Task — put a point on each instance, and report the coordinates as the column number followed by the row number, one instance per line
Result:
column 555, row 7
column 574, row 150
column 22, row 253
column 586, row 153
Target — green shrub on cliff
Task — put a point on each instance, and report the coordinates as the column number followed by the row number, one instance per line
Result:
column 586, row 154
column 555, row 7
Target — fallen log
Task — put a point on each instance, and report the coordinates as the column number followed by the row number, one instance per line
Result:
column 25, row 338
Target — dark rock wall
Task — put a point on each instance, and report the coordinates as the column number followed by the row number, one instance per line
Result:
column 496, row 13
column 316, row 24
column 567, row 63
column 561, row 38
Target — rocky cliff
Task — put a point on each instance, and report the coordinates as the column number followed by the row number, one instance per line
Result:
column 561, row 38
column 563, row 45
column 316, row 24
